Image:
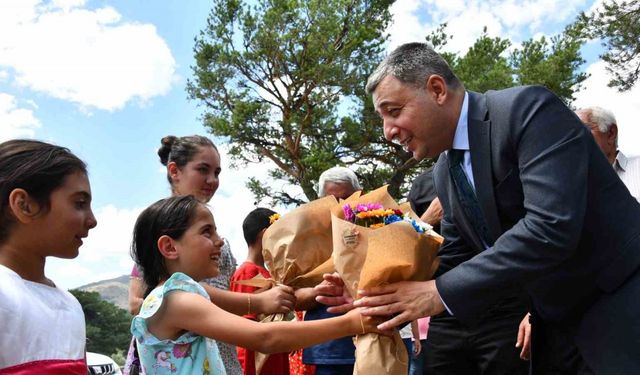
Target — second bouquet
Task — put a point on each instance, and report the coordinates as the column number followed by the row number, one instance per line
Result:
column 376, row 242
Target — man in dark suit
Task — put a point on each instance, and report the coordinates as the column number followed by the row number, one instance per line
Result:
column 530, row 202
column 487, row 346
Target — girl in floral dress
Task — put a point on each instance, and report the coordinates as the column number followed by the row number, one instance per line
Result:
column 175, row 245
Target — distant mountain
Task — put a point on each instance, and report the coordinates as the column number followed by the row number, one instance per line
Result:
column 113, row 290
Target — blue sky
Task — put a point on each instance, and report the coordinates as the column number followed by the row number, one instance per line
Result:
column 107, row 79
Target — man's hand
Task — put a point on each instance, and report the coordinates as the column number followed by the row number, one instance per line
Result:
column 332, row 292
column 279, row 299
column 433, row 214
column 524, row 338
column 409, row 299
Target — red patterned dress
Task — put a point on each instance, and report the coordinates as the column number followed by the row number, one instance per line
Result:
column 296, row 367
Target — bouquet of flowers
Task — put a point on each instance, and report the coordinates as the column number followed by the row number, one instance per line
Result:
column 376, row 241
column 297, row 249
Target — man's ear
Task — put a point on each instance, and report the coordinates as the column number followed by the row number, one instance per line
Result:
column 23, row 207
column 612, row 134
column 167, row 248
column 437, row 88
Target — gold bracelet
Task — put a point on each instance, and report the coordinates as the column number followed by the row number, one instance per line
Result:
column 248, row 304
column 362, row 325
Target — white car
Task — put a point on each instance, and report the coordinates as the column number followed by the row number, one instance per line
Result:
column 99, row 364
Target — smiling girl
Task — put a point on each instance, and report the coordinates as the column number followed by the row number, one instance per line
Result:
column 175, row 244
column 45, row 210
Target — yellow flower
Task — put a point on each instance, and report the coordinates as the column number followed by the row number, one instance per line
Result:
column 273, row 218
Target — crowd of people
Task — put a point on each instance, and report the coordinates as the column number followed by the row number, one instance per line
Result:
column 538, row 271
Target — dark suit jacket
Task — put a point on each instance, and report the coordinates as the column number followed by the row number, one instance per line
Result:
column 563, row 225
column 422, row 192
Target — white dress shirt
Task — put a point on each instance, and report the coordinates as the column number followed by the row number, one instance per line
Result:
column 461, row 142
column 628, row 169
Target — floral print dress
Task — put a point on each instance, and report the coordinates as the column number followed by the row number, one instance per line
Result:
column 189, row 353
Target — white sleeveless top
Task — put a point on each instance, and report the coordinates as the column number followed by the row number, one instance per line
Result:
column 43, row 328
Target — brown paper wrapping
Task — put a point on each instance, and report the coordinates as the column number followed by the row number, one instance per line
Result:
column 297, row 252
column 297, row 247
column 370, row 257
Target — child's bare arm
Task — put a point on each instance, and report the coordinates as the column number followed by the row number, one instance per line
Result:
column 415, row 331
column 191, row 312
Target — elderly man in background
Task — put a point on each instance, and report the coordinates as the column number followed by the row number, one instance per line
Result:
column 602, row 124
column 340, row 182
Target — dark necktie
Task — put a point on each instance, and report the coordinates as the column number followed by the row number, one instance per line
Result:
column 467, row 196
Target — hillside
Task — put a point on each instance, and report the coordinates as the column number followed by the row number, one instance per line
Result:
column 112, row 290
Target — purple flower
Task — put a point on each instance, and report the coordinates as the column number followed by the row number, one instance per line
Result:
column 349, row 215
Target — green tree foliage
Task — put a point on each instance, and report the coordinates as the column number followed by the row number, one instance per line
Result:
column 284, row 80
column 107, row 325
column 120, row 356
column 483, row 68
column 617, row 24
column 488, row 65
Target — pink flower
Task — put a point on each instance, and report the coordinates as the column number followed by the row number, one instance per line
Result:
column 368, row 207
column 182, row 350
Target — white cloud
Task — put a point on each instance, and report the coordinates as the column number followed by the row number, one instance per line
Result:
column 625, row 106
column 466, row 19
column 112, row 235
column 16, row 122
column 68, row 4
column 535, row 14
column 32, row 103
column 468, row 26
column 405, row 26
column 89, row 57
